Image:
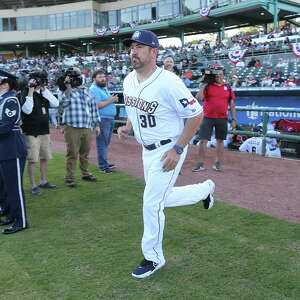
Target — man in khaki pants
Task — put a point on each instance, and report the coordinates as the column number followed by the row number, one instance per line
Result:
column 36, row 100
column 80, row 118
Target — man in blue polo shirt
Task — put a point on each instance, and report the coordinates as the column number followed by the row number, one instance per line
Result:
column 107, row 110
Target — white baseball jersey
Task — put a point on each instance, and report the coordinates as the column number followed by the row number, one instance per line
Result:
column 254, row 145
column 157, row 113
column 157, row 108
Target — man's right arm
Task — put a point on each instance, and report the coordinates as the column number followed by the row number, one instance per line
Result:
column 112, row 99
column 65, row 97
column 123, row 131
column 27, row 107
column 200, row 94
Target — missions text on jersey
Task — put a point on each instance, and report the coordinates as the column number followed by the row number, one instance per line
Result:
column 151, row 109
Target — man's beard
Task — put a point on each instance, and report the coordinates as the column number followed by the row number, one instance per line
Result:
column 137, row 64
column 101, row 84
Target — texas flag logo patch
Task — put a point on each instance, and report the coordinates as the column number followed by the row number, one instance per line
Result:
column 185, row 102
column 10, row 113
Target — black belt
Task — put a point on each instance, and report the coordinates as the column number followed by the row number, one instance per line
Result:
column 158, row 144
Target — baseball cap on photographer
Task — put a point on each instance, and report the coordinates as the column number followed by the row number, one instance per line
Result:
column 9, row 78
column 5, row 75
column 144, row 37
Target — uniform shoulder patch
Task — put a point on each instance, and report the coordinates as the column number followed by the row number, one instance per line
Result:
column 10, row 113
column 184, row 102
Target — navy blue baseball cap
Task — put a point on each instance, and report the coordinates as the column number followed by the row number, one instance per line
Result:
column 6, row 75
column 144, row 37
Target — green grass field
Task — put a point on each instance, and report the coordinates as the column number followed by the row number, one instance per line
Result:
column 84, row 243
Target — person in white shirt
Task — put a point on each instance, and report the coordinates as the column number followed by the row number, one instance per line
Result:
column 157, row 103
column 254, row 144
column 281, row 64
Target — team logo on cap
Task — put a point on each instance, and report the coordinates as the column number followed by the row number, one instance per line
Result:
column 136, row 35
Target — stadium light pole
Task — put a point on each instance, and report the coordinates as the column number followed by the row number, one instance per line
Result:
column 182, row 38
column 275, row 14
column 58, row 50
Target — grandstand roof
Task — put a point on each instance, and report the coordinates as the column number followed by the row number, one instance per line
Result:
column 15, row 4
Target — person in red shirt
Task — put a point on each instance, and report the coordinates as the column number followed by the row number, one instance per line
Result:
column 216, row 98
column 291, row 80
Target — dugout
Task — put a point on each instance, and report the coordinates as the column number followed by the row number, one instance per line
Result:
column 252, row 98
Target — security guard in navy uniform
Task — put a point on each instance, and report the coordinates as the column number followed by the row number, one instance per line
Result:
column 12, row 157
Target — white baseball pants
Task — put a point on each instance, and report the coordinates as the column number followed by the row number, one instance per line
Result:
column 160, row 193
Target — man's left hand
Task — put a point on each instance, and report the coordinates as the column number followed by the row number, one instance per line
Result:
column 233, row 124
column 97, row 130
column 171, row 159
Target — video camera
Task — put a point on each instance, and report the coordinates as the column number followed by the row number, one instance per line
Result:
column 70, row 76
column 40, row 77
column 209, row 75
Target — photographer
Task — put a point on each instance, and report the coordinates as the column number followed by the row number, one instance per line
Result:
column 36, row 100
column 216, row 96
column 12, row 157
column 80, row 118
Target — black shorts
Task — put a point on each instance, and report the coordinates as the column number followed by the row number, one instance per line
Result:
column 207, row 126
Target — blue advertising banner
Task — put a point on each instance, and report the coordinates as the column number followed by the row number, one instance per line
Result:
column 265, row 97
column 278, row 102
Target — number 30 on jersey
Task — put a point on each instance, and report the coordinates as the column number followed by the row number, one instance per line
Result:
column 147, row 121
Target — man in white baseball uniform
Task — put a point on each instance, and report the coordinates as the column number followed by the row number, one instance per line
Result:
column 157, row 102
column 254, row 144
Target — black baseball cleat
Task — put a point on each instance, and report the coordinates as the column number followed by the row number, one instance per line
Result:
column 14, row 228
column 209, row 201
column 146, row 268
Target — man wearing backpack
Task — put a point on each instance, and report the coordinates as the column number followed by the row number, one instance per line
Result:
column 216, row 97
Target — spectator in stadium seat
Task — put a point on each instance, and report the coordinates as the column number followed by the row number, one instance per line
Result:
column 259, row 46
column 278, row 80
column 258, row 64
column 232, row 73
column 286, row 44
column 189, row 74
column 271, row 35
column 170, row 65
column 206, row 48
column 193, row 61
column 266, row 81
column 297, row 81
column 291, row 82
column 277, row 71
column 185, row 62
column 281, row 63
column 251, row 63
column 235, row 82
column 185, row 79
column 251, row 81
